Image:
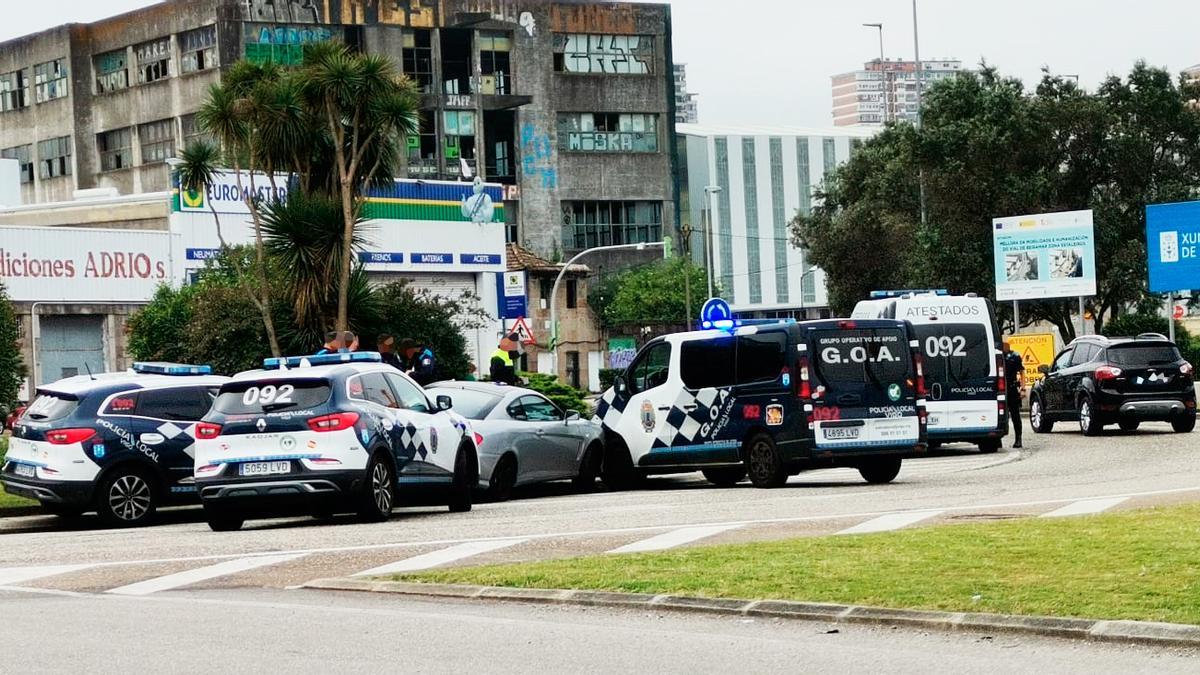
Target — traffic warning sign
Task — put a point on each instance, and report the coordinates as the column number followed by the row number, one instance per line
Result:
column 1036, row 349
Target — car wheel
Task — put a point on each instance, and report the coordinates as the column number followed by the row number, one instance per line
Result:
column 989, row 445
column 1038, row 419
column 880, row 471
column 617, row 471
column 1088, row 424
column 1129, row 425
column 504, row 477
column 465, row 479
column 128, row 497
column 1185, row 424
column 725, row 476
column 378, row 491
column 763, row 463
column 589, row 468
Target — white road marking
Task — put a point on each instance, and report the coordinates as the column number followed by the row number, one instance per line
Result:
column 440, row 557
column 891, row 521
column 684, row 535
column 18, row 575
column 1085, row 507
column 189, row 577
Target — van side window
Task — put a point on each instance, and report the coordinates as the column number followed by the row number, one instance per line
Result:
column 707, row 363
column 1063, row 359
column 761, row 357
column 651, row 369
column 1083, row 354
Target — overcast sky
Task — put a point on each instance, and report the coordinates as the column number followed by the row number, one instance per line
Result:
column 773, row 66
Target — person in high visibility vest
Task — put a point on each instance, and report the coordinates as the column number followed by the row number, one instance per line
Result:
column 503, row 368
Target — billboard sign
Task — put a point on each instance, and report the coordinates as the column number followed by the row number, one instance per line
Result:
column 511, row 291
column 1173, row 246
column 66, row 264
column 1044, row 255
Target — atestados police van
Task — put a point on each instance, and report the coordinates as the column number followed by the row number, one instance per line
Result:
column 768, row 400
column 964, row 364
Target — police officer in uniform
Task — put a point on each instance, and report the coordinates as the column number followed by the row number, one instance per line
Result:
column 420, row 361
column 1014, row 374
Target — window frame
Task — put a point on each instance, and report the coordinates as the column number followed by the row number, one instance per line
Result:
column 567, row 51
column 46, row 162
column 116, row 79
column 590, row 223
column 59, row 83
column 151, row 148
column 24, row 156
column 644, row 357
column 204, row 55
column 523, row 402
column 142, row 395
column 709, row 345
column 778, row 336
column 17, row 95
column 609, row 132
column 398, row 383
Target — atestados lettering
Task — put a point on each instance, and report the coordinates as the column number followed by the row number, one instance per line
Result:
column 915, row 311
column 97, row 265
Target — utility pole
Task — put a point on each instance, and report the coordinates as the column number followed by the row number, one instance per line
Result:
column 686, row 249
column 920, row 86
column 882, row 71
column 709, row 190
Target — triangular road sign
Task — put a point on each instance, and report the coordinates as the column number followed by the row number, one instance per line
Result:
column 1029, row 357
column 521, row 328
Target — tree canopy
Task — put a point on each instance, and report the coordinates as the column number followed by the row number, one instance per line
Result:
column 650, row 295
column 12, row 365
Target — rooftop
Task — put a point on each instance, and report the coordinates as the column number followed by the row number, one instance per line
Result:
column 755, row 130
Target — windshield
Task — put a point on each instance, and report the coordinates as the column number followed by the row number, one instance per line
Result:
column 867, row 355
column 49, row 406
column 469, row 403
column 955, row 353
column 1132, row 355
column 248, row 398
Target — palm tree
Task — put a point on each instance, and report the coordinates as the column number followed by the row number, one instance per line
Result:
column 367, row 108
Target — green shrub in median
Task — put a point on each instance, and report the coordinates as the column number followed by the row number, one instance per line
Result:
column 563, row 394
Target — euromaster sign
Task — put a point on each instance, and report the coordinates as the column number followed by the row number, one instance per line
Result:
column 63, row 264
column 1173, row 246
column 1044, row 255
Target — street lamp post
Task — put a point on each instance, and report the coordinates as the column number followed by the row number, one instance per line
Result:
column 709, row 190
column 882, row 71
column 563, row 272
column 920, row 83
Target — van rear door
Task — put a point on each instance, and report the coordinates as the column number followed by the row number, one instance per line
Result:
column 960, row 368
column 864, row 386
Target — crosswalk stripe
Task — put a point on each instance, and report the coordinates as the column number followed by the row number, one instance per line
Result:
column 440, row 557
column 684, row 535
column 1084, row 507
column 890, row 521
column 194, row 576
column 19, row 575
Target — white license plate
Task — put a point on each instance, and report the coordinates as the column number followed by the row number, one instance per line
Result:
column 841, row 433
column 265, row 468
column 25, row 470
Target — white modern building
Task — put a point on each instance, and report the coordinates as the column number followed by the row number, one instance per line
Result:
column 740, row 188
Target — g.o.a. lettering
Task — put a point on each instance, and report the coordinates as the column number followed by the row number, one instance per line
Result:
column 231, row 193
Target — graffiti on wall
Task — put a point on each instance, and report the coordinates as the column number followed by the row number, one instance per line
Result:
column 537, row 158
column 416, row 13
column 607, row 54
column 283, row 11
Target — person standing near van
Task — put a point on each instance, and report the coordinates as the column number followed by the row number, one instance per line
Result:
column 1014, row 373
column 502, row 368
column 385, row 344
column 333, row 343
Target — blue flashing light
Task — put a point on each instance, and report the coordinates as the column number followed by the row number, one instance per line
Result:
column 879, row 295
column 275, row 363
column 159, row 368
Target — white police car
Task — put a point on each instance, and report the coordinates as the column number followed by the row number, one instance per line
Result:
column 321, row 434
column 119, row 444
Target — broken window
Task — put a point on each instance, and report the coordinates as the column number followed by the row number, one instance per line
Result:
column 54, row 157
column 157, row 140
column 192, row 132
column 14, row 90
column 153, row 60
column 603, row 54
column 418, row 58
column 422, row 149
column 494, row 64
column 24, row 156
column 608, row 132
column 459, row 134
column 112, row 71
column 198, row 49
column 456, row 61
column 115, row 148
column 50, row 80
column 605, row 223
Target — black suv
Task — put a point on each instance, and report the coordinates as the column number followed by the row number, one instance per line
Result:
column 1126, row 381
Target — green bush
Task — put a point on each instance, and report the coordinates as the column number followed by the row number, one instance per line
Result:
column 564, row 395
column 12, row 364
column 432, row 320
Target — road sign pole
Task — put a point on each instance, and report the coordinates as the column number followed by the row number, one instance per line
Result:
column 1016, row 316
column 1082, row 321
column 1171, row 316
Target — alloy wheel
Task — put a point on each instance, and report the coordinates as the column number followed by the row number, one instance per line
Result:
column 1035, row 414
column 381, row 488
column 760, row 460
column 1085, row 416
column 129, row 497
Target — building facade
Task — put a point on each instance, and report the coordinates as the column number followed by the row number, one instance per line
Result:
column 741, row 188
column 569, row 105
column 685, row 101
column 885, row 91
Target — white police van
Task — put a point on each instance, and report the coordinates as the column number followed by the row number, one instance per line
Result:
column 964, row 363
column 323, row 434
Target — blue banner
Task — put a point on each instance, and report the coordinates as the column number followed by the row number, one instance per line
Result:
column 202, row 253
column 380, row 257
column 433, row 258
column 478, row 259
column 1173, row 246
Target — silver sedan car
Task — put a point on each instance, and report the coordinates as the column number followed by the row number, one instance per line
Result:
column 525, row 438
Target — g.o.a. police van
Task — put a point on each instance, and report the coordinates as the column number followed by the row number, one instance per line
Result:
column 964, row 364
column 768, row 400
column 119, row 444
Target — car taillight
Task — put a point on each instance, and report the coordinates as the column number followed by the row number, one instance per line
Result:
column 207, row 430
column 69, row 436
column 1104, row 373
column 1185, row 369
column 922, row 392
column 1001, row 380
column 478, row 439
column 334, row 422
column 207, row 468
column 804, row 388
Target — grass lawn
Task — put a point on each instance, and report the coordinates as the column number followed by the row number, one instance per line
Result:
column 8, row 501
column 1131, row 565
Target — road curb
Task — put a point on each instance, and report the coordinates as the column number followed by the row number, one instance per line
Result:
column 1131, row 632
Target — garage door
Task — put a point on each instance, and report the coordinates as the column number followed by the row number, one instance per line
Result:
column 450, row 286
column 69, row 346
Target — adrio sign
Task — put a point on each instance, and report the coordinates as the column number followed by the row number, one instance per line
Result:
column 61, row 264
column 1173, row 246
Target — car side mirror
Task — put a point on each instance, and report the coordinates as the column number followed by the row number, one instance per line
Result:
column 620, row 385
column 1044, row 369
column 573, row 415
column 444, row 402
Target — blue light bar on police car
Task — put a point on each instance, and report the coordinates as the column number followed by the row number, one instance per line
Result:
column 159, row 368
column 878, row 295
column 275, row 363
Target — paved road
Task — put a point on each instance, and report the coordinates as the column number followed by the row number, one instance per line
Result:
column 304, row 631
column 1061, row 474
